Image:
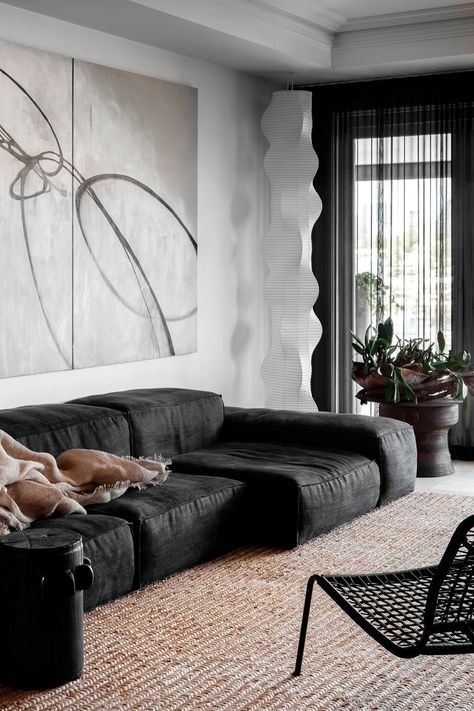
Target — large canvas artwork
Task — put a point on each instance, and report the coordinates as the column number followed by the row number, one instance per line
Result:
column 98, row 203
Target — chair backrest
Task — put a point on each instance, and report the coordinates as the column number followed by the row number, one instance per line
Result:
column 451, row 595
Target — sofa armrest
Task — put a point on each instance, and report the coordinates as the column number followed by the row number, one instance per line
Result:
column 389, row 442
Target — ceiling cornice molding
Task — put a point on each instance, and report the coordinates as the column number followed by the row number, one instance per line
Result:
column 306, row 11
column 407, row 34
column 221, row 14
column 293, row 42
column 410, row 17
column 302, row 16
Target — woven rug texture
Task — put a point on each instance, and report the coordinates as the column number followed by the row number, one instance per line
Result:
column 223, row 636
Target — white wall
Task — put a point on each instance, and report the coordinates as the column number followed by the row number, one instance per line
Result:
column 232, row 210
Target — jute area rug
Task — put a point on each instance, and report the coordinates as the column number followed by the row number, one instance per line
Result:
column 223, row 636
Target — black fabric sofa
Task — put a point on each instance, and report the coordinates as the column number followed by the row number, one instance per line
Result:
column 239, row 476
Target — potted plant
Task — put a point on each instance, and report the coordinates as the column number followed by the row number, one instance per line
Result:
column 393, row 370
column 417, row 382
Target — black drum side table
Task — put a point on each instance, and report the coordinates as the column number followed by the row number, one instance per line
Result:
column 42, row 575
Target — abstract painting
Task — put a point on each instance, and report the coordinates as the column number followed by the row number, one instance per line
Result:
column 98, row 214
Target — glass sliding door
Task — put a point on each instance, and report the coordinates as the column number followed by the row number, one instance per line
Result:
column 403, row 234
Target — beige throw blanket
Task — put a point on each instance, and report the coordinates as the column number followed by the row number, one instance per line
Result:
column 35, row 485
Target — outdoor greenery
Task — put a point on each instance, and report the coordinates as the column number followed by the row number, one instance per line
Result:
column 373, row 287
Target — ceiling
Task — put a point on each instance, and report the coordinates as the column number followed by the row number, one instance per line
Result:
column 311, row 40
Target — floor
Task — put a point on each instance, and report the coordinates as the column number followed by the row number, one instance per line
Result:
column 461, row 482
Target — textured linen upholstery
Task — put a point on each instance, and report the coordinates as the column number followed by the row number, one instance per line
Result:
column 108, row 543
column 55, row 428
column 389, row 442
column 247, row 477
column 166, row 421
column 180, row 523
column 296, row 492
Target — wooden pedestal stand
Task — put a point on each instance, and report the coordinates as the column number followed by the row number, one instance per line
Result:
column 431, row 422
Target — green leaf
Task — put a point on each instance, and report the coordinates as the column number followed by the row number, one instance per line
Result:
column 440, row 365
column 441, row 341
column 410, row 395
column 358, row 349
column 396, row 392
column 357, row 339
column 382, row 333
column 389, row 329
column 455, row 362
column 407, row 390
column 461, row 389
column 367, row 334
column 389, row 391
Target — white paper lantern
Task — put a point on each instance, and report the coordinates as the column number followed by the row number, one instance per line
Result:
column 290, row 287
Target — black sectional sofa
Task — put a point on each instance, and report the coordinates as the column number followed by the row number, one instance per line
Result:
column 239, row 476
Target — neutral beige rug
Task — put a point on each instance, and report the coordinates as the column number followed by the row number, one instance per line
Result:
column 223, row 636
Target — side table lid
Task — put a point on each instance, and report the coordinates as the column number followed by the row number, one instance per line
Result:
column 42, row 539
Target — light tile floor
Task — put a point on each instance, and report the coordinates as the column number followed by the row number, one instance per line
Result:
column 461, row 482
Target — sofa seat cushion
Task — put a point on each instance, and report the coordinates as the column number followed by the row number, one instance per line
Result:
column 389, row 442
column 184, row 521
column 55, row 428
column 297, row 492
column 166, row 421
column 108, row 542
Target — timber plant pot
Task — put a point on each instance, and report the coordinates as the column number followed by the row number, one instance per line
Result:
column 431, row 422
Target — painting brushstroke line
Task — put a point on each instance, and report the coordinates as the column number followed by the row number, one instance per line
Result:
column 85, row 187
column 80, row 179
column 34, row 163
column 48, row 322
column 39, row 157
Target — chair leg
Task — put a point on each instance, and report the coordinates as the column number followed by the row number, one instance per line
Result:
column 304, row 625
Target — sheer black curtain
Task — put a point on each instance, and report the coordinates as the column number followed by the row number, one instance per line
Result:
column 396, row 178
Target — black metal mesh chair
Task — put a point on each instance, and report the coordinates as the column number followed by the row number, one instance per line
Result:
column 410, row 612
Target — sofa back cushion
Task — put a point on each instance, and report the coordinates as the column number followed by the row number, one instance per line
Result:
column 167, row 421
column 55, row 428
